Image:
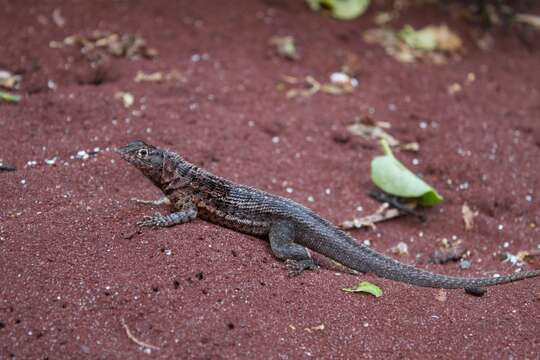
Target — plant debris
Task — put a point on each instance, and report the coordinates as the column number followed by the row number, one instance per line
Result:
column 285, row 47
column 366, row 127
column 518, row 259
column 309, row 86
column 365, row 287
column 9, row 80
column 432, row 43
column 401, row 249
column 468, row 216
column 351, row 64
column 391, row 176
column 529, row 19
column 57, row 18
column 431, row 38
column 127, row 98
column 312, row 329
column 340, row 9
column 9, row 97
column 442, row 295
column 159, row 76
column 384, row 212
column 135, row 340
column 120, row 45
column 412, row 147
column 394, row 202
column 454, row 88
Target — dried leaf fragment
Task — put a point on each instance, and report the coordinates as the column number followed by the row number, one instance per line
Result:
column 441, row 296
column 285, row 47
column 432, row 43
column 454, row 88
column 120, row 45
column 368, row 128
column 9, row 80
column 127, row 98
column 529, row 19
column 383, row 213
column 159, row 76
column 468, row 216
column 309, row 86
column 312, row 329
column 401, row 249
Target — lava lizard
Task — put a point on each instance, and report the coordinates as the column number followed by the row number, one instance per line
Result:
column 290, row 227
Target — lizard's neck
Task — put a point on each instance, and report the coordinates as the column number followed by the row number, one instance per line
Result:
column 175, row 172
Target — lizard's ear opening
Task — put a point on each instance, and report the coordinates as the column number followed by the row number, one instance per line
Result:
column 142, row 153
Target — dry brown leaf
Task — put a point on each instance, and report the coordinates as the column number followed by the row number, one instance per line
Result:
column 120, row 45
column 285, row 47
column 9, row 80
column 311, row 329
column 384, row 212
column 400, row 249
column 442, row 42
column 159, row 76
column 412, row 147
column 454, row 88
column 309, row 86
column 441, row 296
column 468, row 216
column 366, row 127
column 529, row 19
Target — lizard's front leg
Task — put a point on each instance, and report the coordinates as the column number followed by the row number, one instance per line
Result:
column 188, row 213
column 282, row 243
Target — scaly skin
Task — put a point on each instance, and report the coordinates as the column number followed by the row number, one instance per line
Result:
column 290, row 227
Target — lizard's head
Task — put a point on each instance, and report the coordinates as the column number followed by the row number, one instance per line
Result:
column 147, row 158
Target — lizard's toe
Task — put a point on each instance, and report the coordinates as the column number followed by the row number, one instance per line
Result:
column 296, row 267
column 156, row 220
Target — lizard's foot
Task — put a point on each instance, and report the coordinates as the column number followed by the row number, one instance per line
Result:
column 156, row 220
column 296, row 267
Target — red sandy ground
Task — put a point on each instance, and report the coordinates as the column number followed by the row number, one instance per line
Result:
column 71, row 277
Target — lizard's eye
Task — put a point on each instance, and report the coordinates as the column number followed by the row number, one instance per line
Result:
column 142, row 153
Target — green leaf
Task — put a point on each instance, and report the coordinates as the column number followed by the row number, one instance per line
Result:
column 394, row 178
column 366, row 287
column 8, row 97
column 425, row 39
column 341, row 9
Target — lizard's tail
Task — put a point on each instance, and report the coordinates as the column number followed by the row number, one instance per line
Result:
column 362, row 258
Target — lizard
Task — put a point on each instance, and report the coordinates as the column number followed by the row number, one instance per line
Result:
column 290, row 227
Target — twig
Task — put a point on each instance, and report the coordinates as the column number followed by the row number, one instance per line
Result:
column 383, row 213
column 395, row 203
column 135, row 340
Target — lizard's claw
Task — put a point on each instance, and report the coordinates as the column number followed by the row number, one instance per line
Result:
column 296, row 267
column 156, row 220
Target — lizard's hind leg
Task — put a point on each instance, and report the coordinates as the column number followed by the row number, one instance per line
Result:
column 282, row 243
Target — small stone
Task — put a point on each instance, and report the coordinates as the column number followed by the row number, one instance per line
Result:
column 465, row 264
